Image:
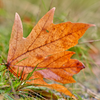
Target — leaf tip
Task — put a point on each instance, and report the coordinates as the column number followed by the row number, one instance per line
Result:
column 83, row 66
column 16, row 15
column 53, row 8
column 92, row 25
column 17, row 25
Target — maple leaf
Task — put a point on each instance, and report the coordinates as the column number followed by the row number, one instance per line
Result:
column 45, row 48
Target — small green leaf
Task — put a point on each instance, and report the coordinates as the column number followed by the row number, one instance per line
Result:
column 47, row 31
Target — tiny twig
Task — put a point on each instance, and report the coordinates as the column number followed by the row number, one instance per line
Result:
column 89, row 41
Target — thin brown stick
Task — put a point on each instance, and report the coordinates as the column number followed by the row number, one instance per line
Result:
column 90, row 41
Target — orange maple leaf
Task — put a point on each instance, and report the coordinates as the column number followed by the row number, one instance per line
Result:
column 45, row 48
